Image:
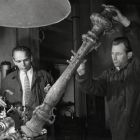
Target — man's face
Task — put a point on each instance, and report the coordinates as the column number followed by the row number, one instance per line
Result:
column 21, row 60
column 119, row 55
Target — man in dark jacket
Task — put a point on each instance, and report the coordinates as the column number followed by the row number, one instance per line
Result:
column 13, row 88
column 120, row 84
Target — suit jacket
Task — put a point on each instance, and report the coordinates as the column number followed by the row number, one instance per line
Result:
column 12, row 83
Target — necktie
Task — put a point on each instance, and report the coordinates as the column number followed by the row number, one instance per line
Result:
column 27, row 90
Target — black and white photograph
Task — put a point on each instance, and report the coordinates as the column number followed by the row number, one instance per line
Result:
column 69, row 70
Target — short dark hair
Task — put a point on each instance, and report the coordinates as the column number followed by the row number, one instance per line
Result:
column 22, row 48
column 123, row 40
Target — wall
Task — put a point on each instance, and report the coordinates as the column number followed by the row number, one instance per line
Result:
column 7, row 42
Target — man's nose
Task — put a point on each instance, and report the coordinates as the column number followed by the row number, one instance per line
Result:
column 23, row 63
column 115, row 57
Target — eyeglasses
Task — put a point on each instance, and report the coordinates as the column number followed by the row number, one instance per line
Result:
column 24, row 60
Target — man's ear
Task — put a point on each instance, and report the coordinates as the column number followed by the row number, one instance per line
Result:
column 31, row 58
column 129, row 55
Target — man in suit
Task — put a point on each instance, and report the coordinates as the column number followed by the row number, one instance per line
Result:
column 13, row 88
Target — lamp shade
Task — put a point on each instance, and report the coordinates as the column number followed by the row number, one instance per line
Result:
column 32, row 13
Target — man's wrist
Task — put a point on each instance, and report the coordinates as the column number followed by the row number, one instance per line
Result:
column 81, row 73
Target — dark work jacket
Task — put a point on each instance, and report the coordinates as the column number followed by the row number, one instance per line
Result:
column 122, row 92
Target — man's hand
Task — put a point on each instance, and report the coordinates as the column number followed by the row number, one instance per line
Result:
column 82, row 68
column 119, row 17
column 46, row 89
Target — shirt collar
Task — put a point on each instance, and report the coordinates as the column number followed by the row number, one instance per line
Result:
column 30, row 71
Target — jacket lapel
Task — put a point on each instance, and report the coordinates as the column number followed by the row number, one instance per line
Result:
column 16, row 77
column 34, row 78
